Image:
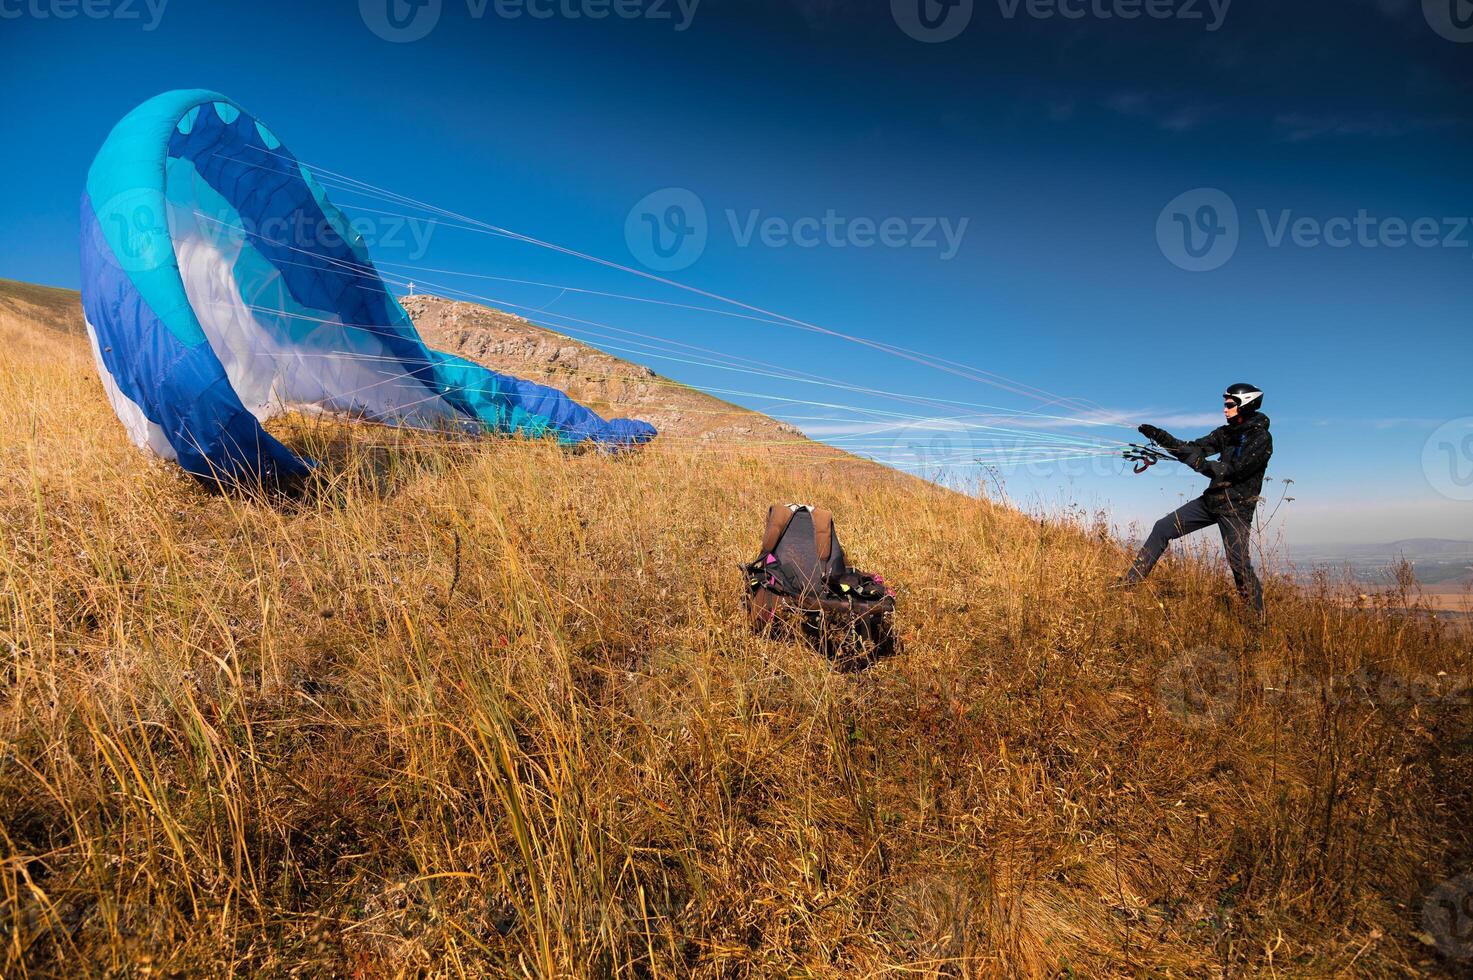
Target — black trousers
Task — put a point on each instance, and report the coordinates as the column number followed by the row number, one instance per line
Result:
column 1236, row 531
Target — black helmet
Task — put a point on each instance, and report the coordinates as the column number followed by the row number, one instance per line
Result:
column 1247, row 397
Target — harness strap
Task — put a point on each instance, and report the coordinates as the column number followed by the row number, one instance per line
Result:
column 823, row 534
column 778, row 519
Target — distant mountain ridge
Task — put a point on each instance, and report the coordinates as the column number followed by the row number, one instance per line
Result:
column 1443, row 565
column 1439, row 547
column 1407, row 547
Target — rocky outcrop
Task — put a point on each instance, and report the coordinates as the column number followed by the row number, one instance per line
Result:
column 609, row 385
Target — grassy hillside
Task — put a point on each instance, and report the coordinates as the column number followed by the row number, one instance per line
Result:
column 46, row 307
column 492, row 709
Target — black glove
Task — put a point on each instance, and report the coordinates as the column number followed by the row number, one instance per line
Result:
column 1154, row 434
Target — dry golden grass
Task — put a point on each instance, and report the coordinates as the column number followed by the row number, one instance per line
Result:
column 492, row 709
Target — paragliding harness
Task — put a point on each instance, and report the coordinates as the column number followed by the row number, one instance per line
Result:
column 1144, row 457
column 799, row 584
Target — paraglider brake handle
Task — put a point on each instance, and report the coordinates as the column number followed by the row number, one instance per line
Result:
column 1144, row 457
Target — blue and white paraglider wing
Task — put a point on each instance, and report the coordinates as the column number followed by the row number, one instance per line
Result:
column 221, row 287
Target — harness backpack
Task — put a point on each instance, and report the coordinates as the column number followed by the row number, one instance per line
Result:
column 801, row 584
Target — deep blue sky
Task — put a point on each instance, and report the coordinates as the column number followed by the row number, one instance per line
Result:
column 1058, row 141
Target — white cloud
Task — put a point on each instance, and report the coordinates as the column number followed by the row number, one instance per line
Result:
column 1104, row 423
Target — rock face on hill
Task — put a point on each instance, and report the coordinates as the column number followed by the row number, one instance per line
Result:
column 607, row 384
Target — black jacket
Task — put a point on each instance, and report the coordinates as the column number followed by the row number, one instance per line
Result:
column 1243, row 451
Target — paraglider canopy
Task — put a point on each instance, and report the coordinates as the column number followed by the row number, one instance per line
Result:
column 221, row 287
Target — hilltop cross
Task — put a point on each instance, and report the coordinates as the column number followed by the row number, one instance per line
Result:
column 411, row 289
